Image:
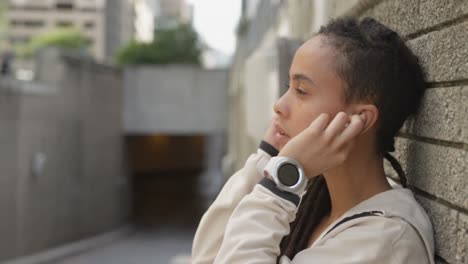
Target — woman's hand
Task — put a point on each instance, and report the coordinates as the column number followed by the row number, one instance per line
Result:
column 320, row 147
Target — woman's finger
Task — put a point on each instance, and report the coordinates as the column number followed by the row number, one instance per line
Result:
column 337, row 125
column 319, row 124
column 351, row 131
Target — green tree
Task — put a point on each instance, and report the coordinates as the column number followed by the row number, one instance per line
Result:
column 64, row 38
column 174, row 45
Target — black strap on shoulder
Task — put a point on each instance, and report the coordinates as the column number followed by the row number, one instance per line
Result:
column 346, row 219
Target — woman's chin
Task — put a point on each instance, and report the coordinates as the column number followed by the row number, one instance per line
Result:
column 280, row 140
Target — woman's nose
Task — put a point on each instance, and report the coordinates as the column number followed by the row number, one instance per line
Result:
column 280, row 107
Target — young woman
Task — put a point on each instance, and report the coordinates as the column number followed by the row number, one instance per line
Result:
column 324, row 198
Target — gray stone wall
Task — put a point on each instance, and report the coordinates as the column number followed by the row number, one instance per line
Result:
column 8, row 140
column 433, row 146
column 175, row 99
column 82, row 189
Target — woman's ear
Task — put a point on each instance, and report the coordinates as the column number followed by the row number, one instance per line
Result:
column 370, row 114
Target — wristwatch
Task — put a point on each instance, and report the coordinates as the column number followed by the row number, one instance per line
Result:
column 287, row 174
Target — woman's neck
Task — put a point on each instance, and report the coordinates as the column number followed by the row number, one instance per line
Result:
column 360, row 177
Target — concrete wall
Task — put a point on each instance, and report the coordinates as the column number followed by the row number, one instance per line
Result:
column 81, row 190
column 433, row 147
column 175, row 100
column 9, row 104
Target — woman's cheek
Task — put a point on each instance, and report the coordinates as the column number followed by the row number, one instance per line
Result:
column 309, row 120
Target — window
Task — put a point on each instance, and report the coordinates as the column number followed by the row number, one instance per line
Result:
column 20, row 39
column 27, row 23
column 64, row 6
column 89, row 24
column 29, row 6
column 89, row 41
column 33, row 23
column 15, row 22
column 63, row 23
column 88, row 9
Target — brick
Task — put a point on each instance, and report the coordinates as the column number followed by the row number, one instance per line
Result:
column 436, row 12
column 443, row 53
column 399, row 15
column 442, row 115
column 445, row 225
column 462, row 247
column 439, row 170
column 435, row 169
column 407, row 17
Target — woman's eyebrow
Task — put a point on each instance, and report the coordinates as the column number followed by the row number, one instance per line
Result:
column 303, row 77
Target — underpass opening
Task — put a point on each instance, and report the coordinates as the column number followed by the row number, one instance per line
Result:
column 166, row 172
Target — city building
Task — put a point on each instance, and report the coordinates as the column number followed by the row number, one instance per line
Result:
column 120, row 28
column 172, row 12
column 145, row 14
column 138, row 19
column 28, row 18
column 107, row 25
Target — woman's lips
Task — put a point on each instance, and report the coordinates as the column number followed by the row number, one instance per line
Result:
column 281, row 137
column 280, row 131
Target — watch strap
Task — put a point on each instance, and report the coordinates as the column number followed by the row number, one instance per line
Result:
column 271, row 185
column 268, row 148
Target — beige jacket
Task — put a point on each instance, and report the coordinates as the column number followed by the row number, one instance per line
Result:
column 247, row 221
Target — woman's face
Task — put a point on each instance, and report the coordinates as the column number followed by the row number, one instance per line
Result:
column 314, row 88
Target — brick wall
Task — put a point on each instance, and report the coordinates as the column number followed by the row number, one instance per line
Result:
column 433, row 146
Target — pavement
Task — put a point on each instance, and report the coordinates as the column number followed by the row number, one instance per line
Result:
column 160, row 242
column 162, row 245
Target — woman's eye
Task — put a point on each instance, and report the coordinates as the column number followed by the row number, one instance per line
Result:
column 299, row 91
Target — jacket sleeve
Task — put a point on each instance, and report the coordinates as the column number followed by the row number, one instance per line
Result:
column 210, row 231
column 257, row 225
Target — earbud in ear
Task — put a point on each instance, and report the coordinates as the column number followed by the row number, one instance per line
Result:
column 363, row 117
column 368, row 115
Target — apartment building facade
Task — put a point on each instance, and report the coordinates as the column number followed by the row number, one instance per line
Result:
column 28, row 18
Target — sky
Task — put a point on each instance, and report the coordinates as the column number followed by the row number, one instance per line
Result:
column 216, row 22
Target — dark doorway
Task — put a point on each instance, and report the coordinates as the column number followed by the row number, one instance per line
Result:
column 165, row 171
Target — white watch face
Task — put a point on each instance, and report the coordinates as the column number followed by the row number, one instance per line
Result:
column 288, row 174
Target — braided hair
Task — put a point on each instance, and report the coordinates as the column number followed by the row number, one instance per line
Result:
column 375, row 65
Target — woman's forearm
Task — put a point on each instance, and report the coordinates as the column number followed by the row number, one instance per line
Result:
column 210, row 232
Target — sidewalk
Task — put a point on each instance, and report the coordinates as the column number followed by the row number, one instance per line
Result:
column 168, row 245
